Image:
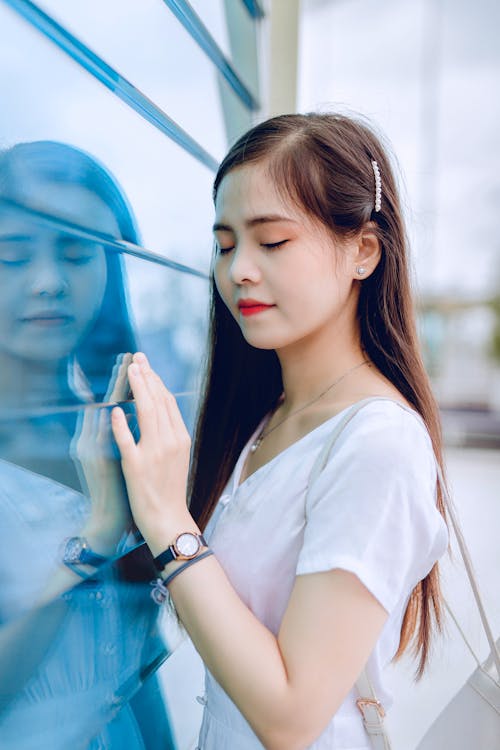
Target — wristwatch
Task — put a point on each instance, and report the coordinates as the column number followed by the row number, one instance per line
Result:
column 186, row 546
column 77, row 552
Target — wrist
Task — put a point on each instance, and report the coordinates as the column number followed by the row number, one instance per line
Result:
column 163, row 535
column 186, row 547
column 104, row 542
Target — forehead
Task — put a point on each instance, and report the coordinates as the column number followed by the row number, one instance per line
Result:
column 72, row 203
column 249, row 190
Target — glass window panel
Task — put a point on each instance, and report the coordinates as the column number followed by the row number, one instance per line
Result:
column 212, row 15
column 48, row 96
column 73, row 664
column 80, row 652
column 171, row 69
column 87, row 636
column 235, row 32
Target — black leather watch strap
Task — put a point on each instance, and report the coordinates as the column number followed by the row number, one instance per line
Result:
column 164, row 558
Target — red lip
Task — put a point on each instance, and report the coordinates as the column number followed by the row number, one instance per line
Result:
column 250, row 302
column 249, row 306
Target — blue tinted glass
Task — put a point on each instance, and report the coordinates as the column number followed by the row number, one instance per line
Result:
column 54, row 98
column 115, row 30
column 102, row 220
column 212, row 15
column 80, row 639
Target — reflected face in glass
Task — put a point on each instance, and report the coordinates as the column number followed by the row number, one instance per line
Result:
column 281, row 274
column 52, row 284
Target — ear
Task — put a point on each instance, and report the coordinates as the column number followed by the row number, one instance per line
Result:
column 367, row 251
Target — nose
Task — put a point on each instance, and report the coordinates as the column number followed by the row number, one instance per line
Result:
column 48, row 278
column 244, row 266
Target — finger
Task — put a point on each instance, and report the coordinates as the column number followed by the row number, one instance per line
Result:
column 144, row 403
column 104, row 436
column 158, row 392
column 121, row 386
column 175, row 420
column 88, row 423
column 162, row 397
column 153, row 382
column 73, row 446
column 112, row 379
column 124, row 438
column 140, row 359
column 174, row 413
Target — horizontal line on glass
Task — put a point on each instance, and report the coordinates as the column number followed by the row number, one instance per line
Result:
column 194, row 25
column 113, row 81
column 45, row 411
column 92, row 235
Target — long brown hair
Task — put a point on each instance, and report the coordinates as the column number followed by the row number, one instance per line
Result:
column 323, row 163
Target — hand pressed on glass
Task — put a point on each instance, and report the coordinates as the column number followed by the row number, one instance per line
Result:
column 156, row 467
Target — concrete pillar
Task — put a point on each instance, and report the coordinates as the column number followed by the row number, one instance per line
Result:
column 283, row 39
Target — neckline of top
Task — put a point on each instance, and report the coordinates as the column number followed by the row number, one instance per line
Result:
column 238, row 469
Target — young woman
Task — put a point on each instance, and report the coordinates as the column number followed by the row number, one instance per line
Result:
column 311, row 313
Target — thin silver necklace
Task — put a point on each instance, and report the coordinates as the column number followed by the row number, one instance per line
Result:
column 263, row 434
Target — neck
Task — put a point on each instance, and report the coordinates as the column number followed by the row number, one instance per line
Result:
column 312, row 365
column 25, row 383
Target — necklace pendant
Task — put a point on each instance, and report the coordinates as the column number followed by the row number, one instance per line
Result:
column 256, row 444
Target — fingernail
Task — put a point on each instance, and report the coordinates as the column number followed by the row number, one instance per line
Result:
column 140, row 357
column 133, row 369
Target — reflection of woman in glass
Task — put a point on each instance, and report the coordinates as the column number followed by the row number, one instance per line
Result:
column 63, row 322
column 63, row 312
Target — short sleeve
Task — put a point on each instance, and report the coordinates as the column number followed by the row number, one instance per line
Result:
column 372, row 510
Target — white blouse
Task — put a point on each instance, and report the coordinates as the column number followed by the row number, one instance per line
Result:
column 371, row 511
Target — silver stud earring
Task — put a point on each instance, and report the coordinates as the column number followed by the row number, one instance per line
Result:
column 360, row 270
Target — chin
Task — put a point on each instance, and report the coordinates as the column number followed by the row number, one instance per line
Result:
column 266, row 342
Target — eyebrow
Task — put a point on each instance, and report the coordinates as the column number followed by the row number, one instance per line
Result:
column 254, row 221
column 14, row 238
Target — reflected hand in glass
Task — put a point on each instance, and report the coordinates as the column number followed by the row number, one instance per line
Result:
column 99, row 469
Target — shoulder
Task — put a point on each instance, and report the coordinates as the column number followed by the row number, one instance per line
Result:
column 381, row 447
column 385, row 428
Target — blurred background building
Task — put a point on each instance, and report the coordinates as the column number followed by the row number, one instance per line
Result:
column 157, row 89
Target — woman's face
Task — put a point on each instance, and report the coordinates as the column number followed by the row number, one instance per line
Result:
column 270, row 252
column 52, row 284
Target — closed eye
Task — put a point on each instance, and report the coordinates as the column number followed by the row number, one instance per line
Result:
column 267, row 245
column 273, row 245
column 15, row 262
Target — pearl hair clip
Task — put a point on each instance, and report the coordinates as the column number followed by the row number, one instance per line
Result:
column 378, row 186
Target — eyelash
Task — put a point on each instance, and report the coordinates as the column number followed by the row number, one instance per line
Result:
column 268, row 246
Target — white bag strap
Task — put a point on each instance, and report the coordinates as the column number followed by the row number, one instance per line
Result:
column 371, row 709
column 372, row 712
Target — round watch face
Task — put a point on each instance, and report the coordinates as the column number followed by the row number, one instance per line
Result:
column 187, row 544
